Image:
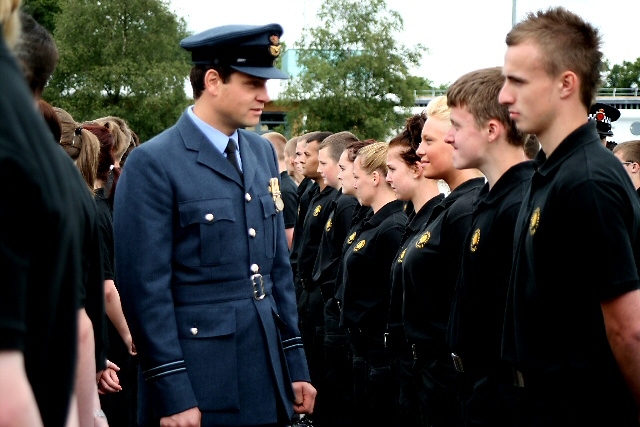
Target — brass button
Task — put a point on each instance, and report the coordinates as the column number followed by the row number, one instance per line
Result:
column 247, row 197
column 194, row 331
column 209, row 217
column 252, row 232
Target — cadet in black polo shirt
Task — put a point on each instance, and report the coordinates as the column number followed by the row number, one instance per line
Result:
column 325, row 270
column 430, row 268
column 310, row 303
column 367, row 286
column 486, row 138
column 306, row 189
column 572, row 325
column 406, row 177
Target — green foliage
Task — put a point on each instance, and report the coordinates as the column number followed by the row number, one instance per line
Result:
column 120, row 58
column 355, row 75
column 626, row 75
column 43, row 11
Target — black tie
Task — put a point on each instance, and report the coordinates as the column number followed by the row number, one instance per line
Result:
column 231, row 155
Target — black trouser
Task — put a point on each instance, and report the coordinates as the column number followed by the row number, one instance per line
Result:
column 375, row 389
column 339, row 369
column 311, row 311
column 491, row 400
column 438, row 385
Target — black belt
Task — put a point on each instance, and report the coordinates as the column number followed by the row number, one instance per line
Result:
column 308, row 285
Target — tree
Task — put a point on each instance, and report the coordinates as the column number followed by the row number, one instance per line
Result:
column 43, row 11
column 355, row 76
column 626, row 75
column 120, row 58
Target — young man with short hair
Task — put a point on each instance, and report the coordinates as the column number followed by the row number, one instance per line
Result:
column 572, row 324
column 484, row 137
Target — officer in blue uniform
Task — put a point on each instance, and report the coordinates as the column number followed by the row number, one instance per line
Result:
column 201, row 252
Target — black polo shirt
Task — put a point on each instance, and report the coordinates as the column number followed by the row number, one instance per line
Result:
column 314, row 223
column 415, row 222
column 306, row 189
column 290, row 197
column 477, row 313
column 366, row 267
column 577, row 244
column 430, row 268
column 335, row 232
column 360, row 215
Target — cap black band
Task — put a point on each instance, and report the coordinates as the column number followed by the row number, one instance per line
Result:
column 242, row 56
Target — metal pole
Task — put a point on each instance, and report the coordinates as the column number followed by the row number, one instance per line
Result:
column 513, row 13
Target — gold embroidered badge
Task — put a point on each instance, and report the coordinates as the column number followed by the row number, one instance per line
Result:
column 535, row 221
column 351, row 239
column 360, row 245
column 317, row 210
column 475, row 240
column 274, row 189
column 275, row 47
column 401, row 257
column 328, row 226
column 422, row 241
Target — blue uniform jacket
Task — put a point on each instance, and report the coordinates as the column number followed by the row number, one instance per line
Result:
column 189, row 235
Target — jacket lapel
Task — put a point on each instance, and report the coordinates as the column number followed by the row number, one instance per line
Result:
column 208, row 155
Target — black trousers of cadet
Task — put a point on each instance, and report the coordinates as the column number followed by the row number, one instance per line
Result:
column 439, row 386
column 375, row 389
column 338, row 368
column 311, row 320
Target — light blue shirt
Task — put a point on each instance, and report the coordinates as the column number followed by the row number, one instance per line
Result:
column 217, row 138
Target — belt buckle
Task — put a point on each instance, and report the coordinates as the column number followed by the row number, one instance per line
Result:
column 258, row 291
column 457, row 362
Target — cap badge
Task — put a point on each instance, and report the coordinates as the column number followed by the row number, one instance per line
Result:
column 275, row 47
column 535, row 221
column 422, row 241
column 475, row 240
column 600, row 115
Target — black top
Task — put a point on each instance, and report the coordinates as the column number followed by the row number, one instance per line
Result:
column 360, row 215
column 430, row 268
column 366, row 266
column 289, row 190
column 314, row 223
column 416, row 221
column 305, row 191
column 333, row 236
column 105, row 223
column 477, row 313
column 49, row 247
column 577, row 244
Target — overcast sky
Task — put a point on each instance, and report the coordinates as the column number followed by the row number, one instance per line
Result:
column 460, row 35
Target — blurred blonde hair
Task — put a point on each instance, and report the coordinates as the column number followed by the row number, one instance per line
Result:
column 81, row 145
column 10, row 21
column 121, row 132
column 437, row 108
column 373, row 157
